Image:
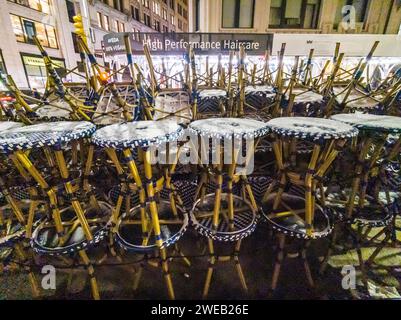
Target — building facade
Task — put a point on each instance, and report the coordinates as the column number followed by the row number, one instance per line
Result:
column 51, row 21
column 19, row 21
column 294, row 16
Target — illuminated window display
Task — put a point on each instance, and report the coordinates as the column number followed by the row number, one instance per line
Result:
column 25, row 29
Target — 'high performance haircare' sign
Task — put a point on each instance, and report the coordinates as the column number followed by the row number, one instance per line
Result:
column 178, row 43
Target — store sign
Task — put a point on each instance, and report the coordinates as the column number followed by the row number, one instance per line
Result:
column 178, row 43
column 38, row 61
column 98, row 53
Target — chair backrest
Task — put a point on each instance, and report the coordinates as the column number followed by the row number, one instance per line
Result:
column 173, row 105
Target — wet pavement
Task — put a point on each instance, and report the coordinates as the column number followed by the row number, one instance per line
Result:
column 116, row 278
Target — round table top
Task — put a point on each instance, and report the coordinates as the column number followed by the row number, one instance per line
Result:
column 229, row 127
column 378, row 123
column 302, row 96
column 138, row 134
column 44, row 134
column 212, row 93
column 311, row 128
column 8, row 125
column 51, row 111
column 262, row 88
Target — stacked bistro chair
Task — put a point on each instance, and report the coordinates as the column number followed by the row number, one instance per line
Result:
column 357, row 93
column 48, row 158
column 329, row 73
column 103, row 85
column 299, row 97
column 97, row 164
column 255, row 93
column 362, row 193
column 17, row 218
column 297, row 215
column 155, row 223
column 59, row 103
column 224, row 216
column 168, row 102
column 211, row 96
column 255, row 99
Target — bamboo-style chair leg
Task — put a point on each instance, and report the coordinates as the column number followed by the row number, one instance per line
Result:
column 394, row 230
column 212, row 262
column 201, row 185
column 156, row 224
column 279, row 261
column 365, row 234
column 305, row 262
column 138, row 276
column 32, row 278
column 238, row 266
column 112, row 249
column 62, row 165
column 330, row 250
column 361, row 262
column 362, row 266
column 91, row 273
column 181, row 254
column 379, row 248
column 377, row 236
column 166, row 273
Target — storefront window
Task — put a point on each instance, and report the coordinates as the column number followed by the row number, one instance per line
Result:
column 238, row 13
column 25, row 29
column 106, row 23
column 29, row 30
column 156, row 7
column 51, row 36
column 41, row 34
column 18, row 31
column 75, row 42
column 164, row 14
column 303, row 14
column 145, row 3
column 70, row 10
column 99, row 20
column 36, row 71
column 146, row 19
column 40, row 5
